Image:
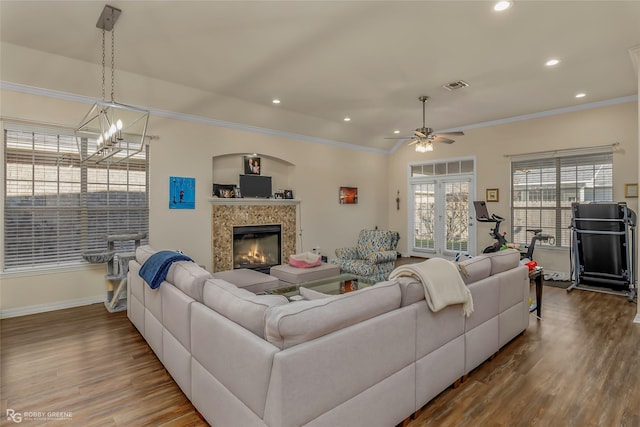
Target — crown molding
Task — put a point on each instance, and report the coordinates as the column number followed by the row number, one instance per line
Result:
column 17, row 87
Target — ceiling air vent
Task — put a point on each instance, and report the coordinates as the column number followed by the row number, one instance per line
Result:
column 455, row 85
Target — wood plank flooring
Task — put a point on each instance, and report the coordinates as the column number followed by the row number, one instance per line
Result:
column 580, row 366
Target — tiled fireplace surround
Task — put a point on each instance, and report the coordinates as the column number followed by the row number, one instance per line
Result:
column 229, row 213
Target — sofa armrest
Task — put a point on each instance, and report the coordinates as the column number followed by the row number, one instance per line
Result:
column 383, row 256
column 347, row 253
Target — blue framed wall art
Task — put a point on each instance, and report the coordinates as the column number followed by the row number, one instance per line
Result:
column 182, row 193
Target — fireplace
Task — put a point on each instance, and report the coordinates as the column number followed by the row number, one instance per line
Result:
column 257, row 247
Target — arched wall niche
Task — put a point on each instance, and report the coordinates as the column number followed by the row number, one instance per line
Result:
column 227, row 168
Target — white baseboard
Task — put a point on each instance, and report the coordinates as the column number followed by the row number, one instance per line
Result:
column 42, row 308
column 637, row 319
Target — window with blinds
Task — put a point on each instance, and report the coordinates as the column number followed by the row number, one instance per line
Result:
column 57, row 207
column 543, row 189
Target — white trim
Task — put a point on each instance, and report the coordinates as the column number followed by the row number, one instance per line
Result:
column 438, row 179
column 42, row 308
column 557, row 111
column 17, row 87
column 49, row 269
column 523, row 117
column 253, row 201
column 637, row 319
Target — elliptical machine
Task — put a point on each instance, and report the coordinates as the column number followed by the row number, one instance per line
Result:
column 482, row 215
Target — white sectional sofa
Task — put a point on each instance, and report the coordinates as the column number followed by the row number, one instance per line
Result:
column 371, row 357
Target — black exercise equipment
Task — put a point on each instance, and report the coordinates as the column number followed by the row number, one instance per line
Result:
column 603, row 248
column 482, row 215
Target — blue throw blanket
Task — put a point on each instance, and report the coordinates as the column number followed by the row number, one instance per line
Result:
column 155, row 269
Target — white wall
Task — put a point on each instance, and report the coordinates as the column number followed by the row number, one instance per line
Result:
column 594, row 127
column 317, row 171
column 186, row 149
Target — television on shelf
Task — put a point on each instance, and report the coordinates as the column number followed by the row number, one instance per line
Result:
column 255, row 186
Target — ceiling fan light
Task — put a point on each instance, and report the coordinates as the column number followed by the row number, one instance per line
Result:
column 428, row 147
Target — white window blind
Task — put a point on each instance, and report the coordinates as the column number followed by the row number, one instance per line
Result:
column 543, row 190
column 56, row 207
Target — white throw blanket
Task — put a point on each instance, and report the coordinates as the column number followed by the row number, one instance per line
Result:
column 442, row 283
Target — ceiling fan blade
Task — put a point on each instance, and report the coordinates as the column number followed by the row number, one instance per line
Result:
column 419, row 134
column 415, row 141
column 458, row 133
column 445, row 140
column 398, row 137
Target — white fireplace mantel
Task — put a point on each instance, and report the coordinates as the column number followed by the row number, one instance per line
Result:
column 253, row 201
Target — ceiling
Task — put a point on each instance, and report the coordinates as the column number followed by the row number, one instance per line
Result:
column 369, row 61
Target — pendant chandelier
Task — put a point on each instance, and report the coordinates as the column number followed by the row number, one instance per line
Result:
column 110, row 130
column 424, row 146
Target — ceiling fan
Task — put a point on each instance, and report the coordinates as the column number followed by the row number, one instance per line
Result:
column 424, row 137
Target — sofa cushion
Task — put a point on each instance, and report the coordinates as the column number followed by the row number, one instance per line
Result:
column 188, row 277
column 295, row 323
column 504, row 260
column 412, row 290
column 250, row 280
column 475, row 269
column 143, row 253
column 239, row 305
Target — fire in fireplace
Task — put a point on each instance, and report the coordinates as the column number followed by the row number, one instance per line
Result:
column 257, row 247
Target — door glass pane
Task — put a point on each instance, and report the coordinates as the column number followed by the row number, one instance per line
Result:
column 424, row 202
column 457, row 216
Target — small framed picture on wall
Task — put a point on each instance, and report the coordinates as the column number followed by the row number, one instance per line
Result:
column 631, row 191
column 348, row 195
column 252, row 165
column 493, row 195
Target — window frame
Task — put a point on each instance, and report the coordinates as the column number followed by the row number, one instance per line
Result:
column 129, row 204
column 561, row 191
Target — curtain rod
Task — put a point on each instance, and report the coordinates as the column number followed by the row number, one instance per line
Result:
column 564, row 150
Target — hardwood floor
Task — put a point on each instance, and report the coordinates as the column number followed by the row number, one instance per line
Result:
column 580, row 366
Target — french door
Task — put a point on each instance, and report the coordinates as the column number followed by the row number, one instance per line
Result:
column 442, row 219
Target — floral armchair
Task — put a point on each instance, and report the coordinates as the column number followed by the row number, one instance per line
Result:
column 373, row 258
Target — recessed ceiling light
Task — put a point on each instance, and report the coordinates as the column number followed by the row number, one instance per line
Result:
column 552, row 62
column 276, row 101
column 581, row 95
column 347, row 119
column 396, row 131
column 502, row 5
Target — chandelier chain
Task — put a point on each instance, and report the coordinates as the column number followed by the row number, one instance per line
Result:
column 113, row 61
column 103, row 62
